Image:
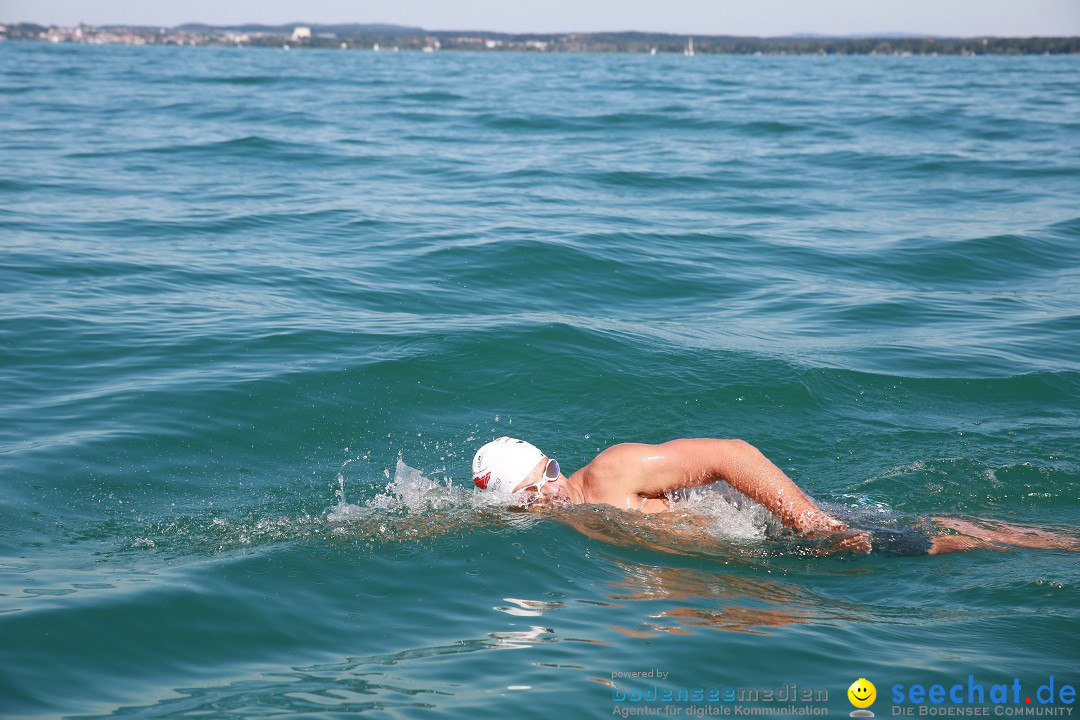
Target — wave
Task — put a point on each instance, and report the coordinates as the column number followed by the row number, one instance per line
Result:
column 970, row 262
column 242, row 149
column 429, row 96
column 770, row 128
column 249, row 80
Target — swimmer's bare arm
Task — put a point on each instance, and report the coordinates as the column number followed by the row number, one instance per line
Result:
column 650, row 471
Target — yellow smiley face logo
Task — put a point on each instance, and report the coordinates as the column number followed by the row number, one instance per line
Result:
column 862, row 693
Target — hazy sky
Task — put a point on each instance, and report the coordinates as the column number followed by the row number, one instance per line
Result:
column 713, row 17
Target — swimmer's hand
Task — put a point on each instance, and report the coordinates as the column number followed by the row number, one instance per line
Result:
column 817, row 522
column 839, row 538
column 856, row 542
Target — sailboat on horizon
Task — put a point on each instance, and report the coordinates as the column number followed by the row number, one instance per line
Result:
column 689, row 51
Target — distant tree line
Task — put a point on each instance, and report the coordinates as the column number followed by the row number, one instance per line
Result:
column 410, row 38
column 635, row 42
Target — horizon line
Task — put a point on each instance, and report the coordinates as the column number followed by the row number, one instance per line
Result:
column 808, row 35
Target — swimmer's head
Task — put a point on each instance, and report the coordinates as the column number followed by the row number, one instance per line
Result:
column 502, row 465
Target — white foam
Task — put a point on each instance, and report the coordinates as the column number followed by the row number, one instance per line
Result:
column 728, row 512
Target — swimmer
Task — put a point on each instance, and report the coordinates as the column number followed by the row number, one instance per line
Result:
column 639, row 478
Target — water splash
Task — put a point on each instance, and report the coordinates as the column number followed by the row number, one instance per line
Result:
column 413, row 506
column 343, row 510
column 726, row 512
column 412, row 491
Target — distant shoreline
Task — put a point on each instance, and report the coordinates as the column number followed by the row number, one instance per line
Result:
column 400, row 38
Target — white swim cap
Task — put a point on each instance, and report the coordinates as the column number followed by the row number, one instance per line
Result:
column 502, row 464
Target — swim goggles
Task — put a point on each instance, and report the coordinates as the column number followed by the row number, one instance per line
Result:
column 551, row 474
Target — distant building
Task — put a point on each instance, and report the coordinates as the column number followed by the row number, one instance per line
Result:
column 301, row 32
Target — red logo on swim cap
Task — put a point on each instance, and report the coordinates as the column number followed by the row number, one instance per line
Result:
column 481, row 481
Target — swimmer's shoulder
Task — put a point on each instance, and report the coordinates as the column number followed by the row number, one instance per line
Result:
column 616, row 465
column 617, row 476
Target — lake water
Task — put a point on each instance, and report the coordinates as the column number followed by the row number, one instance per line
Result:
column 259, row 308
